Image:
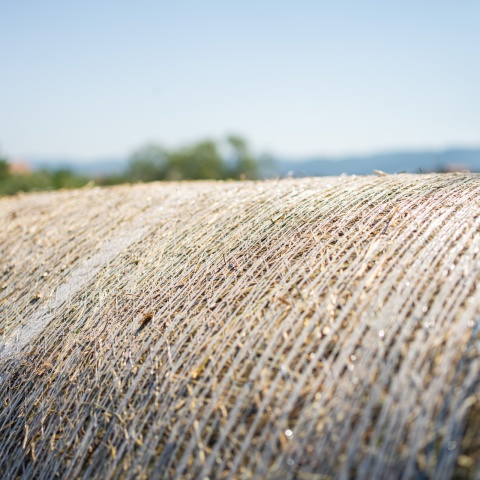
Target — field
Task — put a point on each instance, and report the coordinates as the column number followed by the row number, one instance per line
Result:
column 309, row 329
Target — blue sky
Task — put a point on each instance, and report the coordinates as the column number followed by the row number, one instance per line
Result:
column 297, row 78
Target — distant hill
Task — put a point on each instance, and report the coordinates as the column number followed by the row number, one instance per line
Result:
column 411, row 162
column 394, row 162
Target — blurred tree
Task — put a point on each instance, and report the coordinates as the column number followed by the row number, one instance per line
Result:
column 203, row 160
column 148, row 164
column 11, row 182
column 244, row 165
column 4, row 168
column 65, row 178
column 200, row 161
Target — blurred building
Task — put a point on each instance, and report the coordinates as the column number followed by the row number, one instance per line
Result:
column 19, row 167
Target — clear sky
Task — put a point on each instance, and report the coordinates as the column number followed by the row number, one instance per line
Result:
column 89, row 79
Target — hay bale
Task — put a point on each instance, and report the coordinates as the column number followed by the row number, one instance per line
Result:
column 285, row 329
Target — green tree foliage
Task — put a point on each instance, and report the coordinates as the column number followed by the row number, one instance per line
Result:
column 205, row 160
column 244, row 165
column 200, row 161
column 65, row 178
column 11, row 183
column 149, row 163
column 4, row 167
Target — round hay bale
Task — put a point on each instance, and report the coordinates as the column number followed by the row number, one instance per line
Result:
column 305, row 329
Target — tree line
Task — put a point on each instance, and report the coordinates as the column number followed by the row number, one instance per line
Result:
column 230, row 158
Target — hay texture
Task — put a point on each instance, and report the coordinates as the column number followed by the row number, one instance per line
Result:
column 307, row 329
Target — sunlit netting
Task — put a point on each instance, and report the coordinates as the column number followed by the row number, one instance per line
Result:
column 306, row 329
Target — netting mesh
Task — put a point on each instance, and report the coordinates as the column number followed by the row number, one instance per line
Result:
column 283, row 329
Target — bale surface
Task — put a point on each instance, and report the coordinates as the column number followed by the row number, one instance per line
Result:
column 306, row 329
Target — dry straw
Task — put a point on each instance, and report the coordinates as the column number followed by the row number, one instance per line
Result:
column 304, row 329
